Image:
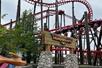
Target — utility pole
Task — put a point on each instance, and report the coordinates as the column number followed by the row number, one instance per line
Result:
column 0, row 12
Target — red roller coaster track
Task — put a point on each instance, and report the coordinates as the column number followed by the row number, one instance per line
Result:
column 62, row 2
column 69, row 27
column 51, row 12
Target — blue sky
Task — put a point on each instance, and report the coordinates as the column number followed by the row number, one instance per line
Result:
column 9, row 7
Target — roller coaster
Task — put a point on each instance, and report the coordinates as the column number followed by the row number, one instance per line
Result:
column 88, row 34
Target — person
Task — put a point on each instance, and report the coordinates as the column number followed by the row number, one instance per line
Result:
column 15, row 60
column 4, row 65
column 11, row 66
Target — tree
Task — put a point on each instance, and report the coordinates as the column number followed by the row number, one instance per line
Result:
column 21, row 38
column 7, row 43
column 26, row 28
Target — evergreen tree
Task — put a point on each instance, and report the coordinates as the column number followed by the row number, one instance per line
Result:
column 28, row 27
column 21, row 38
column 7, row 43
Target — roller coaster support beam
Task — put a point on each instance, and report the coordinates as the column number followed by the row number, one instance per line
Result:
column 18, row 11
column 98, row 47
column 80, row 46
column 56, row 17
column 0, row 11
column 87, row 37
column 11, row 24
column 100, row 38
column 48, row 19
column 100, row 43
column 73, row 20
column 41, row 16
column 56, row 26
column 34, row 10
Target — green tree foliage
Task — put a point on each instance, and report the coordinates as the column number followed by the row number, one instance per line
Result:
column 26, row 29
column 21, row 38
column 7, row 43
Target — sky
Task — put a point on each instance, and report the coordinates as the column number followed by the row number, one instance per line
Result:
column 9, row 7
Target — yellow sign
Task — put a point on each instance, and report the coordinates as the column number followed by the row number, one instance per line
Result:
column 56, row 39
column 62, row 38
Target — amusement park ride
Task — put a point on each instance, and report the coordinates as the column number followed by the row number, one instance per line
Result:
column 86, row 27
